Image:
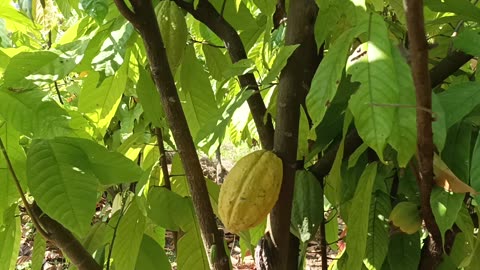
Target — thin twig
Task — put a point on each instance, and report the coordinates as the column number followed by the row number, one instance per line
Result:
column 58, row 92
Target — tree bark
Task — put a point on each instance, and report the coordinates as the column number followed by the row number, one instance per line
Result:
column 295, row 81
column 425, row 147
column 144, row 20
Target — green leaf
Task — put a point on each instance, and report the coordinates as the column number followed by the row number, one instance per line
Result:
column 96, row 9
column 62, row 183
column 404, row 131
column 190, row 249
column 372, row 66
column 150, row 98
column 10, row 235
column 198, row 100
column 173, row 30
column 279, row 63
column 325, row 24
column 333, row 186
column 466, row 41
column 463, row 8
column 11, row 15
column 456, row 153
column 128, row 238
column 404, row 251
column 328, row 75
column 475, row 169
column 216, row 61
column 178, row 179
column 459, row 100
column 30, row 112
column 113, row 51
column 8, row 191
column 99, row 102
column 109, row 167
column 151, row 256
column 445, row 207
column 359, row 218
column 307, row 206
column 378, row 231
column 39, row 246
column 168, row 209
column 439, row 125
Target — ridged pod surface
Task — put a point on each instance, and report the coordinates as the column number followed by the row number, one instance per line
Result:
column 250, row 190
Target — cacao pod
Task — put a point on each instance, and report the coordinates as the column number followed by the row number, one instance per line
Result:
column 406, row 216
column 250, row 190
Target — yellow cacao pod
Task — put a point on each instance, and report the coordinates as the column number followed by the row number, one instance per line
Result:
column 250, row 190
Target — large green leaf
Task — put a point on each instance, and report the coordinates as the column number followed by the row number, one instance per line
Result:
column 462, row 7
column 168, row 209
column 31, row 113
column 404, row 131
column 113, row 51
column 373, row 67
column 378, row 231
column 150, row 98
column 445, row 207
column 459, row 100
column 404, row 251
column 151, row 256
column 128, row 238
column 216, row 61
column 328, row 75
column 60, row 179
column 109, row 167
column 28, row 69
column 11, row 15
column 10, row 235
column 457, row 151
column 198, row 100
column 466, row 41
column 38, row 256
column 174, row 32
column 307, row 206
column 96, row 9
column 99, row 102
column 359, row 218
column 190, row 249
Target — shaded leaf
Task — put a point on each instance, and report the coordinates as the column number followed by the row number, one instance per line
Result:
column 359, row 218
column 372, row 66
column 378, row 231
column 128, row 238
column 151, row 256
column 307, row 206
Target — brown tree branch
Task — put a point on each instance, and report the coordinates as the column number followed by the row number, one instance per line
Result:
column 425, row 146
column 295, row 80
column 146, row 23
column 207, row 14
column 447, row 67
column 65, row 240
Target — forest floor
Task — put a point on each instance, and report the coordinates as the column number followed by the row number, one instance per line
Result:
column 54, row 259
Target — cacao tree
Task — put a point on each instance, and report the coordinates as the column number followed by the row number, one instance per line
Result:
column 358, row 121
